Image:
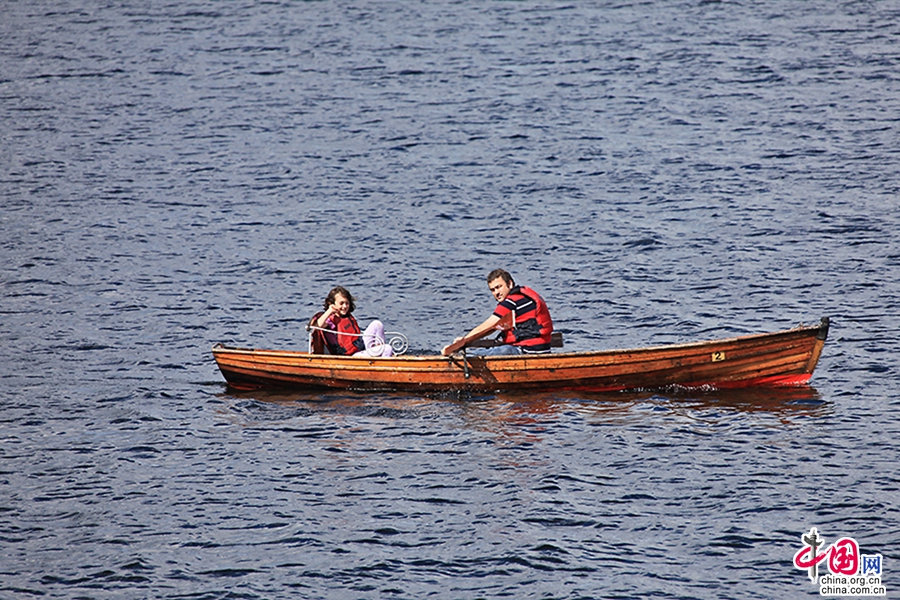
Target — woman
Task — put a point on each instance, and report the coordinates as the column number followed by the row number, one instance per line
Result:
column 343, row 333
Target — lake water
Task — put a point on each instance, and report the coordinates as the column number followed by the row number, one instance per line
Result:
column 177, row 174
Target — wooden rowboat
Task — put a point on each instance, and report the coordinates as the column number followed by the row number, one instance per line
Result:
column 771, row 359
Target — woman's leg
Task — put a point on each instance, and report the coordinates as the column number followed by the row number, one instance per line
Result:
column 373, row 336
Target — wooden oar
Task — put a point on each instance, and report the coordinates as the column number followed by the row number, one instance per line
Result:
column 507, row 322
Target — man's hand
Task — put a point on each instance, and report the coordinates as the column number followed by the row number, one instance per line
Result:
column 444, row 349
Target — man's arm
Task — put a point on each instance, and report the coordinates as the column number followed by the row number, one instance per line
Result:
column 478, row 332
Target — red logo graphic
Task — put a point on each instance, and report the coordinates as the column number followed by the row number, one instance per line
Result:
column 843, row 556
column 851, row 573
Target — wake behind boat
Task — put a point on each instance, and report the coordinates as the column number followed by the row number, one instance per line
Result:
column 783, row 358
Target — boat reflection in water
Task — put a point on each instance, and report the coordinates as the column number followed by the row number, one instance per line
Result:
column 517, row 409
column 638, row 409
column 789, row 399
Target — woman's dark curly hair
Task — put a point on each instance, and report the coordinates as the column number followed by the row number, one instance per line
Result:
column 332, row 296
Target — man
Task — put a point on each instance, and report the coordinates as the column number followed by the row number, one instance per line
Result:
column 533, row 325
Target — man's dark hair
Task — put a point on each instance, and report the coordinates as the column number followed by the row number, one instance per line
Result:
column 500, row 273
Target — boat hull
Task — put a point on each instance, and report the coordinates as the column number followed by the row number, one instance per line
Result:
column 772, row 359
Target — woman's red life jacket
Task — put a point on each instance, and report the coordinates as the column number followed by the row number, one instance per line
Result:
column 336, row 343
column 533, row 323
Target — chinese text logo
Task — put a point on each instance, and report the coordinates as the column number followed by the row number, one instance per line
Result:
column 850, row 574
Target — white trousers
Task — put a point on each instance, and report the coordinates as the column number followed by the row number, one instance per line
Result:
column 373, row 337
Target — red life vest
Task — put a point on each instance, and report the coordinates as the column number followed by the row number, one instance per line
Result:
column 533, row 322
column 342, row 344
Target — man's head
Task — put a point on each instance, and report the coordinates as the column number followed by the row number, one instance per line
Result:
column 500, row 283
